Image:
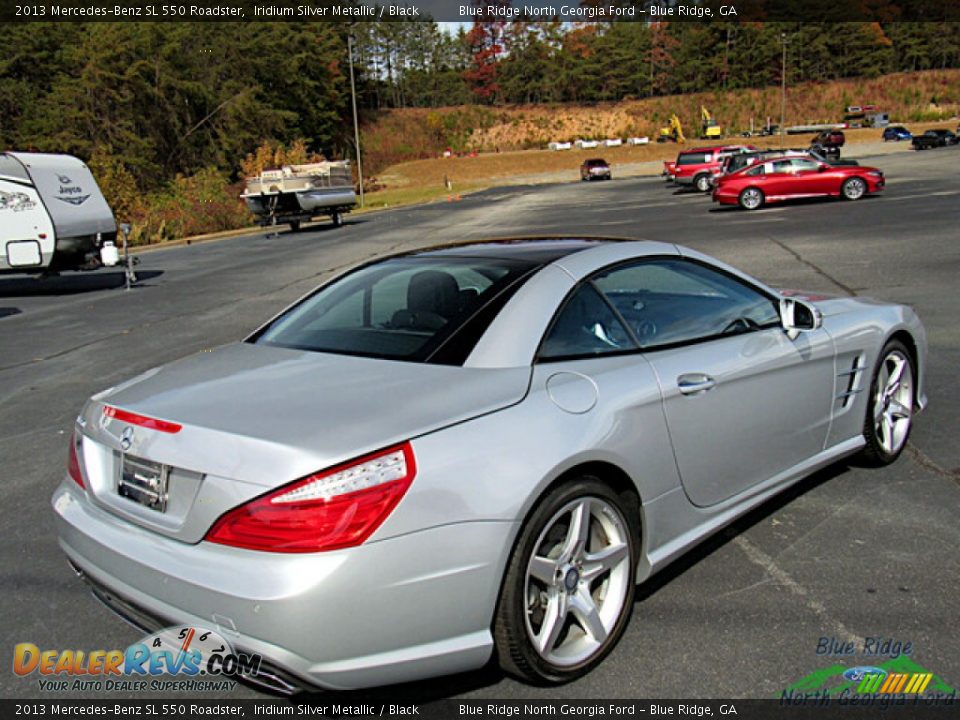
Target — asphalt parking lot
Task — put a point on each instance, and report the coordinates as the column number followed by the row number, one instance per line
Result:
column 849, row 554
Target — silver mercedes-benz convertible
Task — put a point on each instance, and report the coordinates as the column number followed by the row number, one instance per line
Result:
column 471, row 450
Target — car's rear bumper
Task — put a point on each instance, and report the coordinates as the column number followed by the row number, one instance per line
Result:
column 409, row 607
column 724, row 198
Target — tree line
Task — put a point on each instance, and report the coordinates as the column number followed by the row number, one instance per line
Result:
column 167, row 108
column 166, row 98
column 415, row 65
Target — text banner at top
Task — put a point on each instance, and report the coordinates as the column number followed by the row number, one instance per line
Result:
column 466, row 11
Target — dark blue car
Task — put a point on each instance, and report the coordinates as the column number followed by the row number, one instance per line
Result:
column 897, row 133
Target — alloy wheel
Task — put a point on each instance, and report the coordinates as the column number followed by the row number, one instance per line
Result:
column 751, row 198
column 893, row 402
column 577, row 581
column 854, row 189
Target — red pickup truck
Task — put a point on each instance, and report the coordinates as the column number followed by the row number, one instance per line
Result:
column 697, row 166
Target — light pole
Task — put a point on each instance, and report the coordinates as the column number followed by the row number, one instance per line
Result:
column 356, row 127
column 783, row 89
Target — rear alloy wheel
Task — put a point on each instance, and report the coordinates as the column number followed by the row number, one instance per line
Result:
column 702, row 183
column 568, row 590
column 890, row 413
column 751, row 198
column 854, row 188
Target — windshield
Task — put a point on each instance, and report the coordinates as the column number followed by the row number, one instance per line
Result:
column 421, row 309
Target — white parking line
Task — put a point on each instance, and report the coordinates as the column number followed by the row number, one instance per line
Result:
column 940, row 193
column 782, row 578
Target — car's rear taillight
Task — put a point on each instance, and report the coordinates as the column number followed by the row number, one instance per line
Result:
column 73, row 463
column 330, row 510
column 141, row 420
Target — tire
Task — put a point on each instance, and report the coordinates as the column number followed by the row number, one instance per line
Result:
column 853, row 188
column 549, row 595
column 294, row 226
column 889, row 417
column 337, row 219
column 702, row 182
column 751, row 198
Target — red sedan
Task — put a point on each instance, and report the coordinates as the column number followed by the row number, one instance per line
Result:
column 795, row 177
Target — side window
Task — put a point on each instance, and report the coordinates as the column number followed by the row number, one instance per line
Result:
column 585, row 326
column 755, row 171
column 782, row 166
column 667, row 301
column 804, row 165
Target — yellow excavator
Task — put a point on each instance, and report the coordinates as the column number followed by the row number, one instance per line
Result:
column 709, row 129
column 673, row 132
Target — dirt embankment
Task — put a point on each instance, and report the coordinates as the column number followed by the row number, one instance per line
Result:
column 398, row 136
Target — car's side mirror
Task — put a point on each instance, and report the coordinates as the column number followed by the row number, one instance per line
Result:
column 797, row 316
column 821, row 168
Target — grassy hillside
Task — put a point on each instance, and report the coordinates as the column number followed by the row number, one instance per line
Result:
column 399, row 135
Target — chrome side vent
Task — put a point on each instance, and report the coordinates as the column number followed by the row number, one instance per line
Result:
column 850, row 381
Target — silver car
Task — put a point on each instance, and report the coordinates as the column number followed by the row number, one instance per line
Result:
column 472, row 450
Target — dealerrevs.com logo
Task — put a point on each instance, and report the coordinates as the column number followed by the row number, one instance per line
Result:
column 183, row 658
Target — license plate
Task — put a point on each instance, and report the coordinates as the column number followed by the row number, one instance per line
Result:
column 144, row 482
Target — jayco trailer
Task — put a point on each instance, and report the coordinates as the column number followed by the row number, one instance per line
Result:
column 52, row 215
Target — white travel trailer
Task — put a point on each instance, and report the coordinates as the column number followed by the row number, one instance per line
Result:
column 52, row 215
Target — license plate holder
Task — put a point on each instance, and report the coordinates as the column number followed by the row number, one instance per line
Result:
column 144, row 482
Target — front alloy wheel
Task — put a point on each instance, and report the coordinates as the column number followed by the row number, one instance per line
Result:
column 854, row 188
column 890, row 414
column 569, row 587
column 703, row 183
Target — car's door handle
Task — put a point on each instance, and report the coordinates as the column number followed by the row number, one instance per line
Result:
column 694, row 383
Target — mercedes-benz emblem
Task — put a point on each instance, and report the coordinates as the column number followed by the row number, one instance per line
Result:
column 126, row 438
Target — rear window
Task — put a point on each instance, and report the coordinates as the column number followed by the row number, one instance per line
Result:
column 692, row 158
column 419, row 309
column 596, row 163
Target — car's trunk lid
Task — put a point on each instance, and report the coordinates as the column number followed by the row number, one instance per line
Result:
column 254, row 417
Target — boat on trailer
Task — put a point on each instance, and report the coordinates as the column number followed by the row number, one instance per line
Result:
column 295, row 194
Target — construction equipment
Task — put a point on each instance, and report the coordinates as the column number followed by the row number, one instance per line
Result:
column 673, row 132
column 709, row 130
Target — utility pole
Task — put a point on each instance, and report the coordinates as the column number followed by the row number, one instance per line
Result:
column 783, row 89
column 356, row 126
